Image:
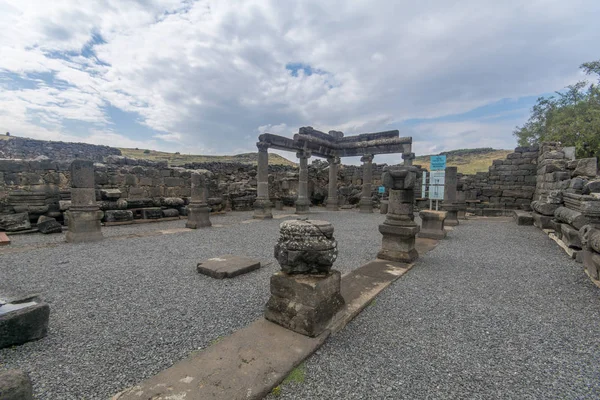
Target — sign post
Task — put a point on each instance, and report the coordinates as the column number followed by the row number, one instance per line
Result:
column 437, row 178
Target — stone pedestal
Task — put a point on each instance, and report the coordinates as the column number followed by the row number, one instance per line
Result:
column 262, row 205
column 305, row 295
column 84, row 215
column 450, row 204
column 198, row 210
column 332, row 198
column 462, row 205
column 399, row 229
column 278, row 205
column 366, row 203
column 383, row 207
column 303, row 202
column 432, row 225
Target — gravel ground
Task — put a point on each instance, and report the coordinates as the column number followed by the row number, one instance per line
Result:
column 126, row 308
column 495, row 311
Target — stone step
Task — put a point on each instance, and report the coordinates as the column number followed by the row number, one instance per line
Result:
column 523, row 217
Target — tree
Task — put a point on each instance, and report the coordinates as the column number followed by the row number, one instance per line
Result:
column 571, row 117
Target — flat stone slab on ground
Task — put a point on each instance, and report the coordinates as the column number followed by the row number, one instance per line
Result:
column 4, row 239
column 227, row 266
column 523, row 217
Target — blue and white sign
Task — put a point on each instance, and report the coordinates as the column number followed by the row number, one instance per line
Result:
column 424, row 186
column 436, row 184
column 381, row 189
column 437, row 163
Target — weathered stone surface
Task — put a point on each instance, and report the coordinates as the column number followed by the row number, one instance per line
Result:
column 227, row 266
column 432, row 225
column 110, row 194
column 541, row 221
column 198, row 210
column 173, row 202
column 152, row 213
column 590, row 238
column 139, row 203
column 570, row 236
column 306, row 247
column 23, row 321
column 587, row 167
column 591, row 187
column 170, row 213
column 591, row 262
column 572, row 217
column 49, row 225
column 523, row 217
column 15, row 222
column 304, row 303
column 15, row 385
column 547, row 209
column 4, row 239
column 118, row 215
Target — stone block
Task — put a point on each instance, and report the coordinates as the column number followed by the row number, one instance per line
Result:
column 15, row 385
column 227, row 266
column 4, row 239
column 118, row 215
column 173, row 202
column 170, row 181
column 523, row 217
column 591, row 262
column 170, row 213
column 587, row 167
column 513, row 155
column 49, row 225
column 432, row 224
column 304, row 303
column 541, row 221
column 570, row 236
column 139, row 203
column 15, row 222
column 591, row 187
column 22, row 321
column 110, row 194
column 571, row 217
column 152, row 213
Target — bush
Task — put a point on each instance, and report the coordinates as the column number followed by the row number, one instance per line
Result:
column 146, row 151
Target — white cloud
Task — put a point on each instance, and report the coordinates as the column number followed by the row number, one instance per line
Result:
column 210, row 75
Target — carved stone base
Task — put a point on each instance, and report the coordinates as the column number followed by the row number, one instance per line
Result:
column 432, row 226
column 452, row 214
column 365, row 205
column 304, row 303
column 398, row 243
column 302, row 206
column 332, row 205
column 84, row 226
column 262, row 209
column 198, row 216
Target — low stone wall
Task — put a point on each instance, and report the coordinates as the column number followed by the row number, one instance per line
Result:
column 24, row 148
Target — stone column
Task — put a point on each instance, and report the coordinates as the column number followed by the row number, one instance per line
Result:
column 83, row 215
column 332, row 198
column 450, row 204
column 366, row 203
column 198, row 210
column 305, row 294
column 408, row 159
column 262, row 205
column 399, row 229
column 302, row 202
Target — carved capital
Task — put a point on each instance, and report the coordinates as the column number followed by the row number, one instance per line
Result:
column 367, row 158
column 303, row 154
column 262, row 146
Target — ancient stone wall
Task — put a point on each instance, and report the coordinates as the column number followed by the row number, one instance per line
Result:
column 509, row 183
column 24, row 148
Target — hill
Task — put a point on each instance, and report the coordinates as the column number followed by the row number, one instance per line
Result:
column 468, row 161
column 175, row 159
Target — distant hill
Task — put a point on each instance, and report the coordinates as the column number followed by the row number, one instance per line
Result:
column 468, row 161
column 175, row 159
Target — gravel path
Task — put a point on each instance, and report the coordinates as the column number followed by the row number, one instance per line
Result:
column 495, row 311
column 126, row 308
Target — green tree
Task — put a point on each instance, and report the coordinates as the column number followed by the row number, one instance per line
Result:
column 571, row 117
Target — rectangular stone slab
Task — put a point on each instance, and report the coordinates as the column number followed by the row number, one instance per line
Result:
column 4, row 239
column 23, row 322
column 227, row 266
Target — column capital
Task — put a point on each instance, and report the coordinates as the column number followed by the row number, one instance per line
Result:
column 262, row 146
column 303, row 154
column 334, row 160
column 367, row 158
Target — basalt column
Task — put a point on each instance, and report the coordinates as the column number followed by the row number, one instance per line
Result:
column 302, row 202
column 450, row 204
column 399, row 229
column 198, row 210
column 262, row 205
column 84, row 215
column 332, row 199
column 366, row 203
column 590, row 235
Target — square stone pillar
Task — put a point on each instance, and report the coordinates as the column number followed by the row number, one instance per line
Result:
column 450, row 203
column 408, row 159
column 305, row 294
column 302, row 202
column 399, row 229
column 198, row 210
column 84, row 215
column 366, row 203
column 262, row 205
column 432, row 224
column 332, row 197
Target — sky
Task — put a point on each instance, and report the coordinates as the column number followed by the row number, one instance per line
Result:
column 207, row 77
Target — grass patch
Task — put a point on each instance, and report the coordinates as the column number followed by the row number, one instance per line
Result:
column 297, row 375
column 468, row 161
column 216, row 340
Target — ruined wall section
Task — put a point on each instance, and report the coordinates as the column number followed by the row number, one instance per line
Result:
column 24, row 148
column 509, row 184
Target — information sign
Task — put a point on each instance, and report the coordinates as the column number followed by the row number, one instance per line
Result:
column 437, row 163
